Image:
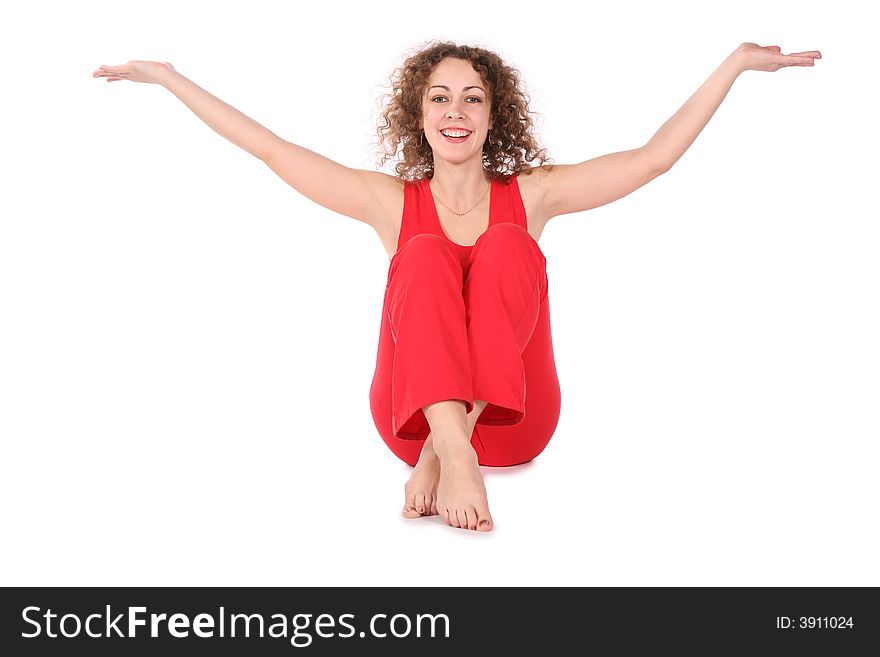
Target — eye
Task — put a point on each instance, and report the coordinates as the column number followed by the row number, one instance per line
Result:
column 477, row 98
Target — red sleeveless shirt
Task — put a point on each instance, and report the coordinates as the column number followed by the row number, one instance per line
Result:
column 420, row 212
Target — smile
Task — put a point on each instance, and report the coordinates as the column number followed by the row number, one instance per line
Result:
column 456, row 140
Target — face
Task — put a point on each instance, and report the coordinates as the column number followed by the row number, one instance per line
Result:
column 456, row 98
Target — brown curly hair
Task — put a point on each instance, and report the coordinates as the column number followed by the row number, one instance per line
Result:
column 513, row 147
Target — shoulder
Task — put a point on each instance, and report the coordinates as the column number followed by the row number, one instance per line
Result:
column 381, row 183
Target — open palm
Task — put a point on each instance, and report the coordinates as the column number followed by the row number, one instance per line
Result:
column 136, row 71
column 769, row 58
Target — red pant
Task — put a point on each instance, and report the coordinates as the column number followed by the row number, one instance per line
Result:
column 466, row 330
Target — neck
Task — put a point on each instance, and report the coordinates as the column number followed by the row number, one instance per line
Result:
column 459, row 186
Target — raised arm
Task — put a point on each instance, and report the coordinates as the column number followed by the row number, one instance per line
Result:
column 679, row 132
column 351, row 192
column 579, row 187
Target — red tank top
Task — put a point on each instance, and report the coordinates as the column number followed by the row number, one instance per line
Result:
column 420, row 212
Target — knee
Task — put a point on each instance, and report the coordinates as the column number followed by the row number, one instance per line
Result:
column 506, row 243
column 509, row 238
column 423, row 252
column 427, row 246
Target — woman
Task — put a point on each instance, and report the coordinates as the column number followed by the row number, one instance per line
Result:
column 465, row 374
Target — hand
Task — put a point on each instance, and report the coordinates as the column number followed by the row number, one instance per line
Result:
column 136, row 71
column 753, row 57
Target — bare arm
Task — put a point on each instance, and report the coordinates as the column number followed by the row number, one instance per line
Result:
column 221, row 117
column 601, row 180
column 351, row 192
column 332, row 185
column 583, row 186
column 676, row 135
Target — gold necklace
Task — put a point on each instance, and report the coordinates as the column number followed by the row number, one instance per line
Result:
column 461, row 214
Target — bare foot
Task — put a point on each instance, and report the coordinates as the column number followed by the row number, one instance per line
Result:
column 461, row 494
column 420, row 492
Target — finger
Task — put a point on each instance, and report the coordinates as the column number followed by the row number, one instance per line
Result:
column 791, row 60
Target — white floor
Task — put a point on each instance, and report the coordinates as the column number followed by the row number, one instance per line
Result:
column 601, row 506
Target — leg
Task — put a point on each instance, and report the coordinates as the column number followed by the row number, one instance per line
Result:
column 458, row 337
column 420, row 491
column 503, row 292
column 504, row 286
column 461, row 494
column 472, row 417
column 511, row 445
column 427, row 320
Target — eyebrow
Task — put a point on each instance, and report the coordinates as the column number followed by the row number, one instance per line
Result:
column 443, row 86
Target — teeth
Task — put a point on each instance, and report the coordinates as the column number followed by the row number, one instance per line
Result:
column 455, row 133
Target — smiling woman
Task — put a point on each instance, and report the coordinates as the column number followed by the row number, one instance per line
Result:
column 465, row 324
column 507, row 145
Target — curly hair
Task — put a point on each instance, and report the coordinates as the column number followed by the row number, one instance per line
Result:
column 513, row 147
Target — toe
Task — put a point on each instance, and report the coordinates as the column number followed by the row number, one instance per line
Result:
column 484, row 522
column 409, row 507
column 462, row 518
column 471, row 517
column 430, row 506
column 420, row 504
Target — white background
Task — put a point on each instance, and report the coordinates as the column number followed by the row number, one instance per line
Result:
column 187, row 343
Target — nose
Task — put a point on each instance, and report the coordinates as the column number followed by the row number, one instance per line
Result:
column 454, row 112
